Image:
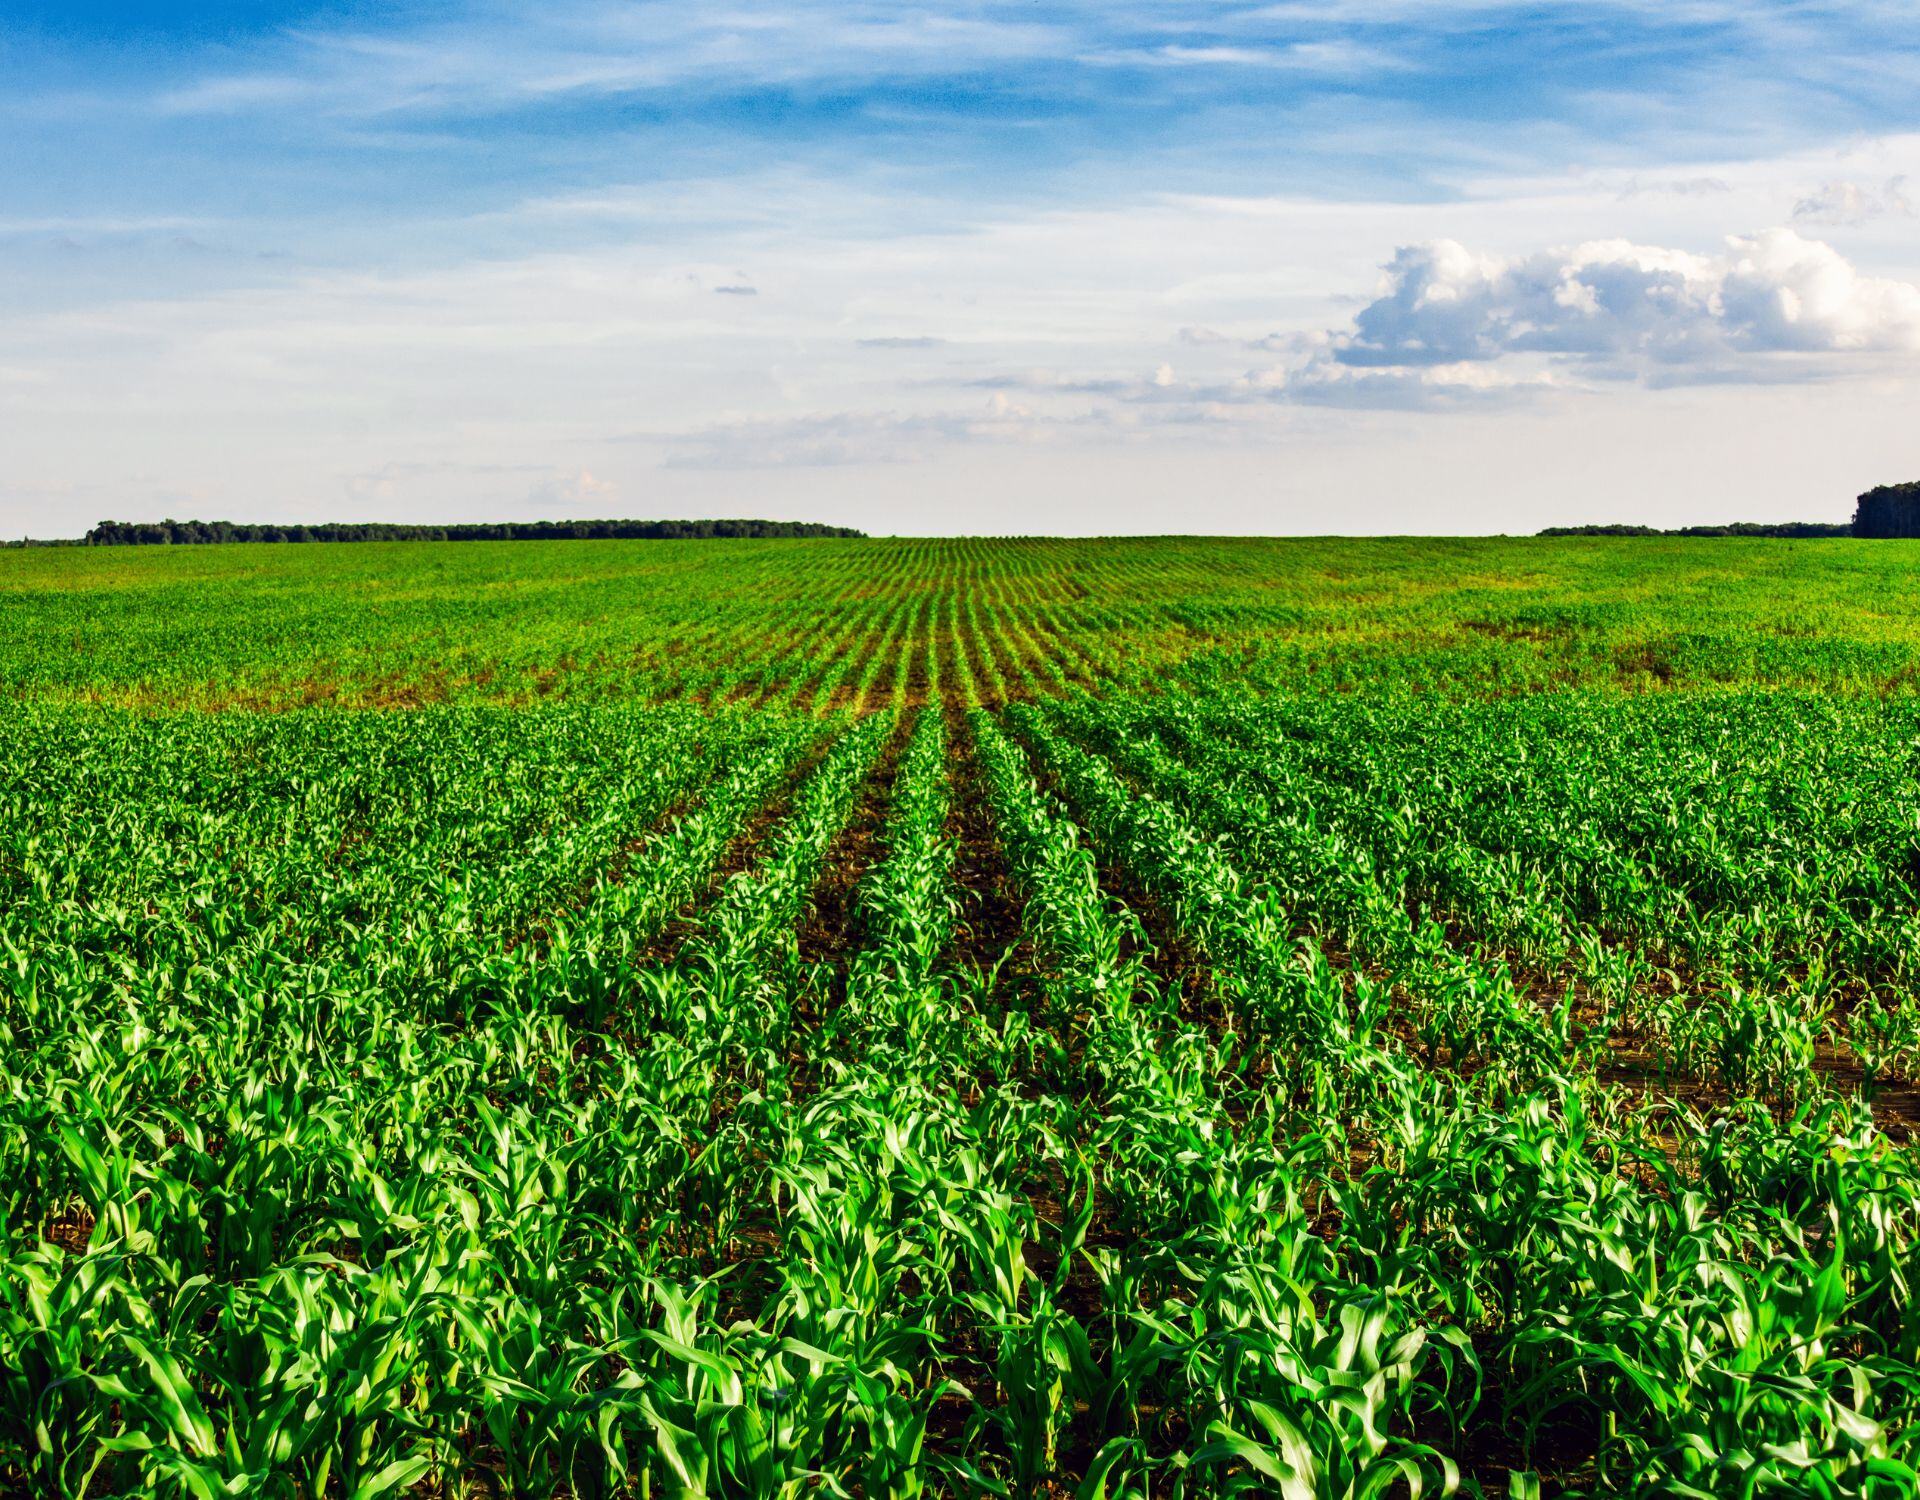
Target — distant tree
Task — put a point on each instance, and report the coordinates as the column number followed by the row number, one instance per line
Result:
column 202, row 533
column 1888, row 510
column 1769, row 528
column 1731, row 528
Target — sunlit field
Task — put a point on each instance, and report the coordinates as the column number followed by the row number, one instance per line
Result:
column 820, row 625
column 891, row 1018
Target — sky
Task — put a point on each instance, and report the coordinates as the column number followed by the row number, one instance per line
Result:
column 1140, row 266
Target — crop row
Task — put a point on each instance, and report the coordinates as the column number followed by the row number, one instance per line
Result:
column 828, row 624
column 455, row 1101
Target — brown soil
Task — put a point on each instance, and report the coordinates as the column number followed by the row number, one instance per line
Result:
column 538, row 926
column 1175, row 964
column 992, row 906
column 1009, row 666
column 1489, row 1449
column 917, row 664
column 743, row 852
column 70, row 1231
column 992, row 690
column 1895, row 1101
column 827, row 925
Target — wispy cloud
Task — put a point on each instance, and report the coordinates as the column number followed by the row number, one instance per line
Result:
column 842, row 438
column 517, row 55
column 1678, row 187
column 575, row 490
column 101, row 224
column 1852, row 203
column 1456, row 387
column 1015, row 414
column 1333, row 58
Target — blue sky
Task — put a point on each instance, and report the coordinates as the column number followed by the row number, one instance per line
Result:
column 961, row 267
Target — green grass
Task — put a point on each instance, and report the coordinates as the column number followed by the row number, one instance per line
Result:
column 1117, row 1063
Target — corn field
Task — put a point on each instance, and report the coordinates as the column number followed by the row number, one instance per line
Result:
column 992, row 1079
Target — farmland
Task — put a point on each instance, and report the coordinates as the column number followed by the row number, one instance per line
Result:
column 1322, row 1018
column 860, row 624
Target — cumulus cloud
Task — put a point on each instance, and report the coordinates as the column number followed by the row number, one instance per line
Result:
column 1451, row 328
column 1623, row 310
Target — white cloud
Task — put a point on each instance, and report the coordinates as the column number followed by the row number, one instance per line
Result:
column 580, row 487
column 1850, row 203
column 1678, row 187
column 401, row 481
column 1325, row 381
column 1018, row 413
column 511, row 370
column 1625, row 310
column 1332, row 57
column 835, row 439
column 100, row 224
column 516, row 54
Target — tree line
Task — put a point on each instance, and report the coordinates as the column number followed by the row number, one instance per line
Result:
column 1732, row 528
column 171, row 533
column 1887, row 510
